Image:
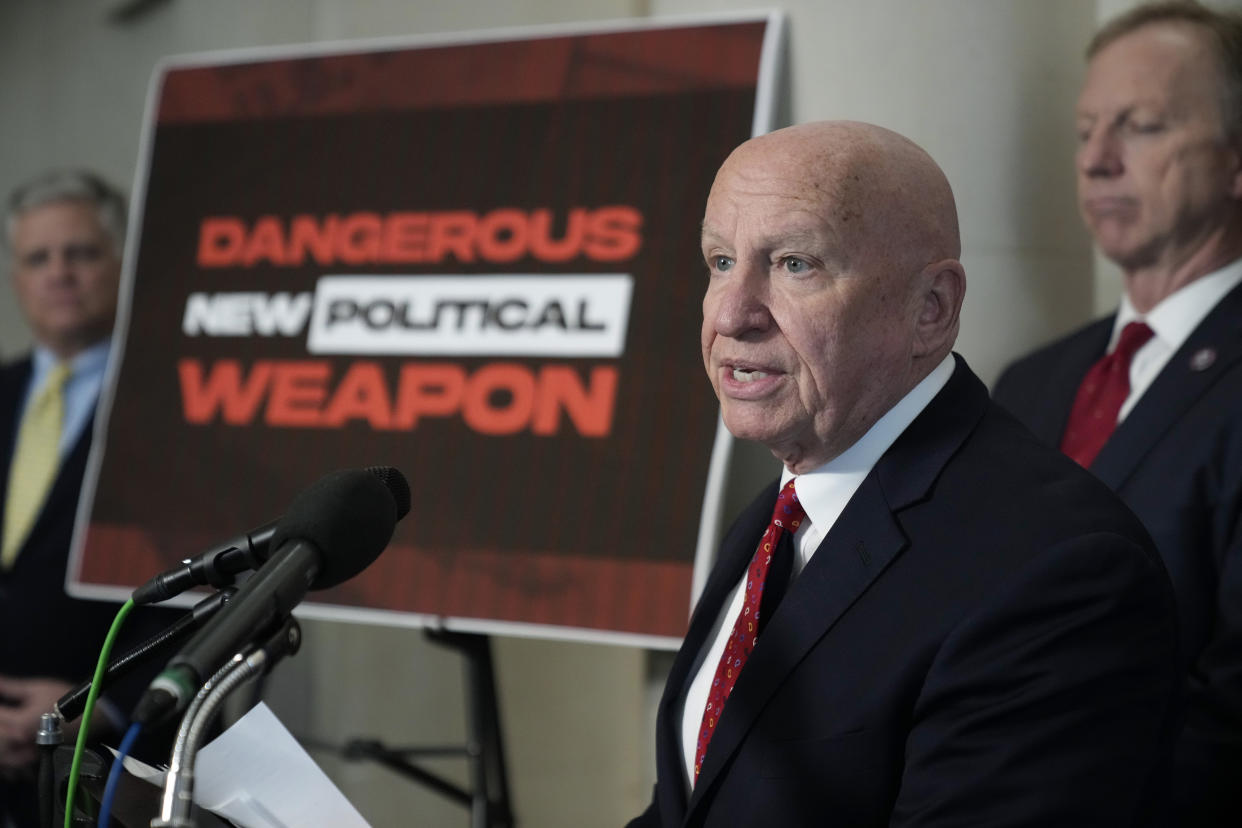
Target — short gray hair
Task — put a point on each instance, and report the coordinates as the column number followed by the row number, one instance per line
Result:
column 68, row 185
column 1223, row 30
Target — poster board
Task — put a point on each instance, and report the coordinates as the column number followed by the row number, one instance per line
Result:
column 474, row 258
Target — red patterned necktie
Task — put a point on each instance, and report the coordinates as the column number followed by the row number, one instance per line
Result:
column 1101, row 395
column 787, row 516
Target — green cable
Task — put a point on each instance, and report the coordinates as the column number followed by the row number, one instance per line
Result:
column 96, row 681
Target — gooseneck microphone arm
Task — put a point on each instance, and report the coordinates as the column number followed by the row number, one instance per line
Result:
column 177, row 804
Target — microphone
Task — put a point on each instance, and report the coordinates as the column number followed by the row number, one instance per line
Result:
column 215, row 567
column 330, row 533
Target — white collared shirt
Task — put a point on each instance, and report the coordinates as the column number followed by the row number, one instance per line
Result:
column 823, row 493
column 1173, row 320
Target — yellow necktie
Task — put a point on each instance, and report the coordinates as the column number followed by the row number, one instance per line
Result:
column 35, row 459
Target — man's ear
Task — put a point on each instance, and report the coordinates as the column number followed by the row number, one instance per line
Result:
column 941, row 289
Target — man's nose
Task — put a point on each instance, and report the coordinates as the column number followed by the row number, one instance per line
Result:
column 1099, row 154
column 740, row 304
column 63, row 265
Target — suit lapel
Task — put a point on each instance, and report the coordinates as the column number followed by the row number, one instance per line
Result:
column 863, row 542
column 1049, row 418
column 1183, row 380
column 67, row 482
column 860, row 545
column 13, row 380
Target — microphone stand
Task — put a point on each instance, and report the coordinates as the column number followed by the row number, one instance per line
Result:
column 177, row 805
column 48, row 738
column 70, row 706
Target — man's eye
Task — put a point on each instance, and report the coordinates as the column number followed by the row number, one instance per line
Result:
column 84, row 252
column 1144, row 127
column 795, row 265
column 720, row 262
column 35, row 259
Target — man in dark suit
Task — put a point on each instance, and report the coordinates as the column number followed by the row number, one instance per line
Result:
column 63, row 235
column 973, row 630
column 1160, row 189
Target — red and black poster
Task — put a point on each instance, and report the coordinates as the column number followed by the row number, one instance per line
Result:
column 476, row 261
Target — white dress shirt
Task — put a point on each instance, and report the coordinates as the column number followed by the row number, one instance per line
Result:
column 1173, row 320
column 823, row 493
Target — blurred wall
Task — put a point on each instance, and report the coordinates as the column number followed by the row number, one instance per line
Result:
column 986, row 86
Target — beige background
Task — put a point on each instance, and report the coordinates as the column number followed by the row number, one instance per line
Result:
column 986, row 86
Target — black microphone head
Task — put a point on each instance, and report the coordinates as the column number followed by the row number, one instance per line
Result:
column 349, row 516
column 397, row 485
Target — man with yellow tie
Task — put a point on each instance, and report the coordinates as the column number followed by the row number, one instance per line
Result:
column 63, row 236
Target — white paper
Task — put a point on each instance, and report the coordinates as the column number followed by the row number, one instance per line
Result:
column 256, row 775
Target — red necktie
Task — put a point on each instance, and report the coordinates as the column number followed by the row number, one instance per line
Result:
column 787, row 516
column 1101, row 395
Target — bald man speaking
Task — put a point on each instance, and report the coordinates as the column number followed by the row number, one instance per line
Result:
column 930, row 618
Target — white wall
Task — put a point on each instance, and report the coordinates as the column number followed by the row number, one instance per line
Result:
column 987, row 86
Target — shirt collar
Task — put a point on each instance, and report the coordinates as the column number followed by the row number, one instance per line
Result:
column 1176, row 316
column 91, row 361
column 823, row 490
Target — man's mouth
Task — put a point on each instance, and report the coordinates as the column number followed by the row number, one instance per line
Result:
column 748, row 375
column 1103, row 206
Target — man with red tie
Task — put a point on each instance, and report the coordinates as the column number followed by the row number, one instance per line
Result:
column 930, row 618
column 1150, row 399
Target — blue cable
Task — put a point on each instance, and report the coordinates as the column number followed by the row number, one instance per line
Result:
column 114, row 775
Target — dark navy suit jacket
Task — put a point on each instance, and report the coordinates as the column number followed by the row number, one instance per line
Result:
column 43, row 631
column 984, row 637
column 1176, row 460
column 46, row 633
